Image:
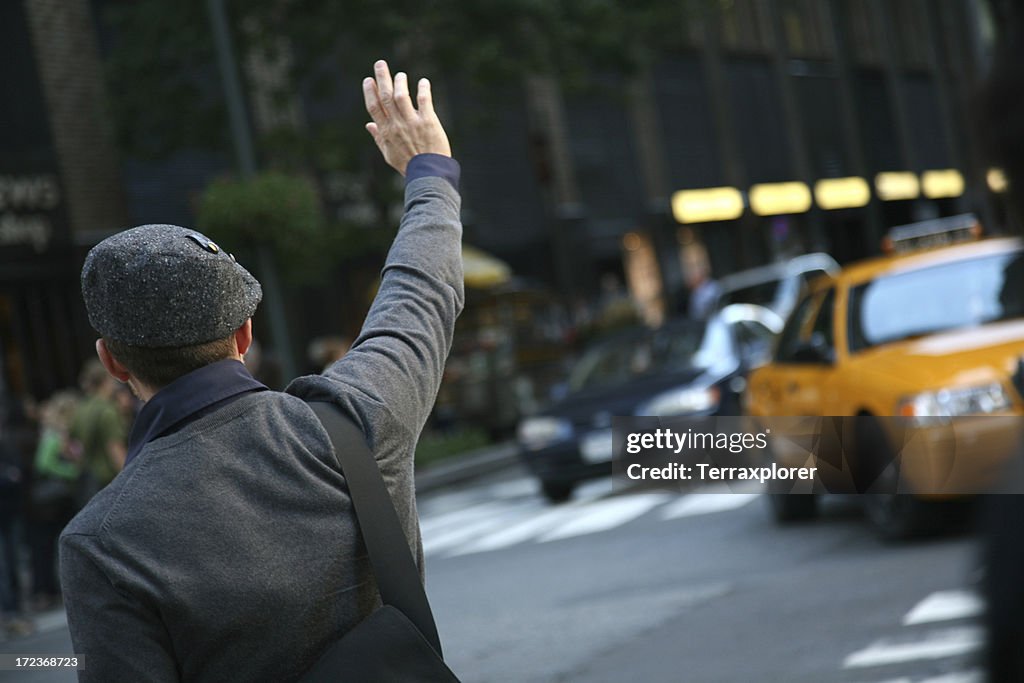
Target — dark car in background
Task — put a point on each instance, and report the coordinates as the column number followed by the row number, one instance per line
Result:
column 684, row 367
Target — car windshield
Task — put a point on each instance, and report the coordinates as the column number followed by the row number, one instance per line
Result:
column 669, row 348
column 945, row 297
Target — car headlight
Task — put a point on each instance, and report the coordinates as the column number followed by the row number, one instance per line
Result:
column 535, row 433
column 980, row 400
column 681, row 402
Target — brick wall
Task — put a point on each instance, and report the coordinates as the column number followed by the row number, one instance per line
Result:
column 70, row 71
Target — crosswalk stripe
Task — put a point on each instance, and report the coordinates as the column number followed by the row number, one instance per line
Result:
column 430, row 524
column 970, row 676
column 936, row 645
column 492, row 525
column 519, row 532
column 705, row 503
column 604, row 515
column 495, row 517
column 945, row 606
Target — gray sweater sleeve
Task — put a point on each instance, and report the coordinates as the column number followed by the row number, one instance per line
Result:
column 389, row 379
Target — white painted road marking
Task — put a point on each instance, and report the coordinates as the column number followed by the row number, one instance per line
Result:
column 496, row 522
column 935, row 645
column 521, row 532
column 605, row 514
column 945, row 606
column 971, row 676
column 453, row 534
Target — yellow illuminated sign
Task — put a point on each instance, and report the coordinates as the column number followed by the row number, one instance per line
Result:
column 893, row 185
column 948, row 182
column 842, row 193
column 996, row 180
column 712, row 204
column 773, row 199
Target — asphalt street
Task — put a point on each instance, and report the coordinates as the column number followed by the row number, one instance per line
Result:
column 666, row 587
column 699, row 587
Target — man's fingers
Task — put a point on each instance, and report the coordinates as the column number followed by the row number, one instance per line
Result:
column 371, row 128
column 423, row 97
column 385, row 88
column 372, row 99
column 403, row 103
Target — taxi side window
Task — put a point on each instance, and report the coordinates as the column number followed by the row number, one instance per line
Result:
column 809, row 335
column 797, row 329
column 823, row 323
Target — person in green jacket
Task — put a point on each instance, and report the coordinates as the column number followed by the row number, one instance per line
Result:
column 99, row 427
column 57, row 467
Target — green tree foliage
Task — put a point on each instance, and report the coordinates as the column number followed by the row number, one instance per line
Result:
column 167, row 95
column 270, row 209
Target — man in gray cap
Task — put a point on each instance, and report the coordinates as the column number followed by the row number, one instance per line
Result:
column 226, row 550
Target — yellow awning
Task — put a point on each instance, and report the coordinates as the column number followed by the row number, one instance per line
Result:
column 483, row 270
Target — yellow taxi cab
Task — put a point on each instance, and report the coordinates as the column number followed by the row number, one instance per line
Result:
column 933, row 330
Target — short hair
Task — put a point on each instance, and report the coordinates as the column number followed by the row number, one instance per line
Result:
column 158, row 367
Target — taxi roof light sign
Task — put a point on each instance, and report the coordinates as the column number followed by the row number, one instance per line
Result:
column 937, row 232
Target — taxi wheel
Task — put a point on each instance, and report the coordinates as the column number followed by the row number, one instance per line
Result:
column 793, row 507
column 556, row 492
column 894, row 516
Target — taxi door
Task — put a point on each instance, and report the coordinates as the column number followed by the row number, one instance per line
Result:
column 799, row 380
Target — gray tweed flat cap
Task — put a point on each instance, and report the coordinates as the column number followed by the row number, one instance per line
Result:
column 166, row 286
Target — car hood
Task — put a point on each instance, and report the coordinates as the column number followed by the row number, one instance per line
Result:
column 582, row 407
column 961, row 357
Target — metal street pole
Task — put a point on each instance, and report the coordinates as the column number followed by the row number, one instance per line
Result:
column 245, row 157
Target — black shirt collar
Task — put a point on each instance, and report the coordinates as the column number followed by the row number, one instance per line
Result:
column 188, row 398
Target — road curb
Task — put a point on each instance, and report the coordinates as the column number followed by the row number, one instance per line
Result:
column 465, row 467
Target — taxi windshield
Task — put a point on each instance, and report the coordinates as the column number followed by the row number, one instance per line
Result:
column 935, row 299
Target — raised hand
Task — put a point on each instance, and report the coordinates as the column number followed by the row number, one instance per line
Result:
column 400, row 130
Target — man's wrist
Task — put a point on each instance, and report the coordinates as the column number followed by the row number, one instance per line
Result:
column 433, row 165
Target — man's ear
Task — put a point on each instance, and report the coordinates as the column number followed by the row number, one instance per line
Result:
column 243, row 337
column 113, row 366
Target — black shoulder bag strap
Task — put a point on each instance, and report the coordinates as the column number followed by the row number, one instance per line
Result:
column 398, row 578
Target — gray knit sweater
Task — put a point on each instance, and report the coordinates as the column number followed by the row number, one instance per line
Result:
column 227, row 551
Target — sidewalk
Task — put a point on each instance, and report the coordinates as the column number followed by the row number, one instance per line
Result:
column 41, row 622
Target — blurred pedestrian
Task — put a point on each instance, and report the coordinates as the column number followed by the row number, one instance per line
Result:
column 58, row 466
column 99, row 427
column 227, row 549
column 704, row 291
column 12, row 480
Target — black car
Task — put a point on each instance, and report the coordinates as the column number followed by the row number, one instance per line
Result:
column 684, row 367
